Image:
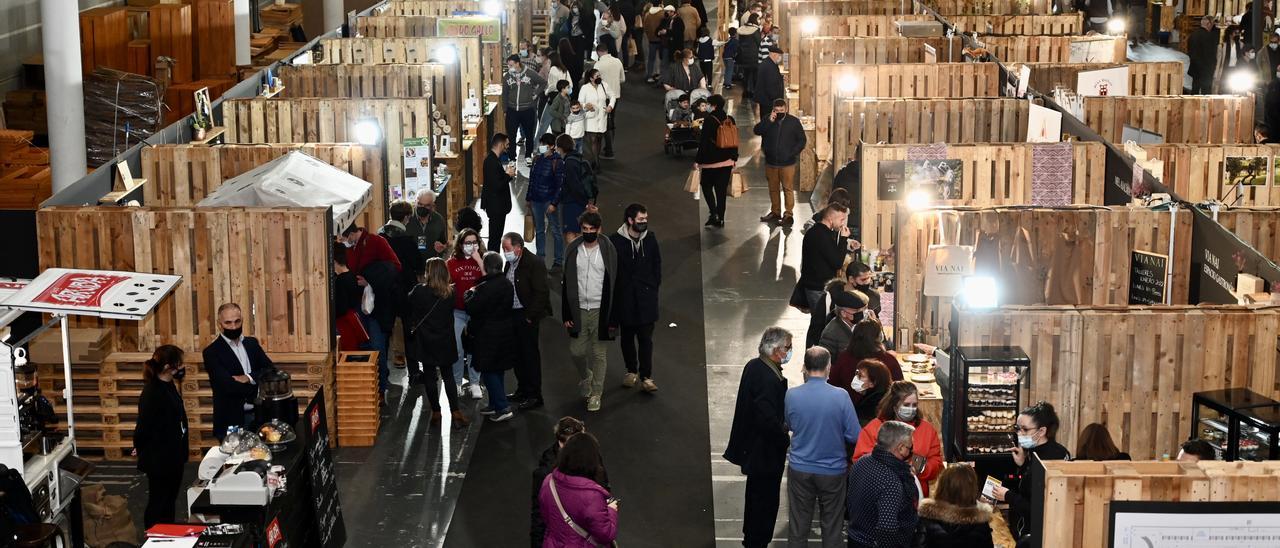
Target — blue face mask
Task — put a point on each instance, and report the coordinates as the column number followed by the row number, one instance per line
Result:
column 1026, row 442
column 787, row 358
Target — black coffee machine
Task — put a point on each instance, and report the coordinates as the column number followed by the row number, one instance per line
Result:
column 275, row 398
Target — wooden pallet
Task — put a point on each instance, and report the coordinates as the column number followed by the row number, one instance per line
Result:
column 281, row 15
column 182, row 175
column 922, row 80
column 947, row 8
column 1133, row 369
column 214, row 29
column 274, row 262
column 25, row 177
column 25, row 109
column 925, row 121
column 1159, row 78
column 1217, row 119
column 1051, row 49
column 140, row 59
column 1257, row 226
column 170, row 32
column 1197, row 173
column 372, row 81
column 479, row 64
column 357, row 395
column 790, row 13
column 993, row 174
column 861, row 51
column 104, row 39
column 396, row 26
column 1225, row 8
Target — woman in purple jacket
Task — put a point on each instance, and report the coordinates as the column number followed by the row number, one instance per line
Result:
column 573, row 491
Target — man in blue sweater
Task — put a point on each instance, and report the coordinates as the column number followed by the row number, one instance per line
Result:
column 823, row 424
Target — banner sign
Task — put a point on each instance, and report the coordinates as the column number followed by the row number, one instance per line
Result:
column 489, row 29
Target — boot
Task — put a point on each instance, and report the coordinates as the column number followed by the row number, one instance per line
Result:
column 460, row 420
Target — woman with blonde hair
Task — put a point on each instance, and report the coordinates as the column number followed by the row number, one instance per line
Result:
column 431, row 328
column 954, row 518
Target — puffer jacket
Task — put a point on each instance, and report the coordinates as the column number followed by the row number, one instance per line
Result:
column 521, row 91
column 945, row 525
column 748, row 46
column 545, row 178
column 585, row 501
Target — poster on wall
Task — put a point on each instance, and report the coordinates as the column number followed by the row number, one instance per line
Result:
column 1148, row 273
column 946, row 267
column 1103, row 83
column 897, row 178
column 1044, row 125
column 1246, row 171
column 1228, row 524
column 930, row 54
column 1275, row 170
column 417, row 167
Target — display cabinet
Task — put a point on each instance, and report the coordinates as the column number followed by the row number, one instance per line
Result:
column 986, row 390
column 1238, row 423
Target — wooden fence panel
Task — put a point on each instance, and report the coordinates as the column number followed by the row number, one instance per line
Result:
column 1049, row 49
column 396, row 26
column 861, row 51
column 1258, row 227
column 1158, row 78
column 1217, row 119
column 373, row 81
column 925, row 121
column 789, row 12
column 1070, row 24
column 1198, row 172
column 947, row 8
column 477, row 62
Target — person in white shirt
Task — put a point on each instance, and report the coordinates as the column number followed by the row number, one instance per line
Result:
column 613, row 75
column 586, row 304
column 597, row 101
column 232, row 362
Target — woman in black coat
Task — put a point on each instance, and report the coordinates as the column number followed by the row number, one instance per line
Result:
column 493, row 333
column 714, row 162
column 431, row 328
column 160, row 438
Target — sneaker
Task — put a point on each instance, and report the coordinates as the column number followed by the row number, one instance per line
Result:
column 771, row 217
column 487, row 411
column 593, row 403
column 711, row 221
column 649, row 386
column 584, row 387
column 629, row 380
column 502, row 417
column 474, row 392
column 788, row 220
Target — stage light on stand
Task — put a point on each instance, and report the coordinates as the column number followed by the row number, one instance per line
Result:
column 980, row 292
column 1116, row 26
column 1241, row 81
column 367, row 131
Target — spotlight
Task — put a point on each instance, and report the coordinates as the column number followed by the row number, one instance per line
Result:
column 980, row 292
column 367, row 131
column 1116, row 25
column 492, row 8
column 919, row 199
column 848, row 84
column 809, row 25
column 1241, row 81
column 445, row 54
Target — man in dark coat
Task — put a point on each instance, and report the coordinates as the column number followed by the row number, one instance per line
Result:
column 489, row 306
column 636, row 298
column 1202, row 46
column 232, row 362
column 495, row 192
column 586, row 304
column 758, row 439
column 411, row 266
column 749, row 54
column 532, row 304
column 822, row 255
column 782, row 140
column 769, row 84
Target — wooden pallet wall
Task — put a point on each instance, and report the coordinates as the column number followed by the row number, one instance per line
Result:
column 310, row 120
column 396, row 26
column 993, row 174
column 1134, row 369
column 1257, row 226
column 1227, row 8
column 1047, row 49
column 372, row 81
column 476, row 61
column 789, row 13
column 1069, row 24
column 921, row 80
column 1158, row 78
column 182, row 175
column 924, row 121
column 274, row 262
column 861, row 51
column 1217, row 119
column 1197, row 173
column 947, row 8
column 214, row 29
column 1059, row 256
column 1078, row 495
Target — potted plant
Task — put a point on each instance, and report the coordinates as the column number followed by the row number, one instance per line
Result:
column 199, row 126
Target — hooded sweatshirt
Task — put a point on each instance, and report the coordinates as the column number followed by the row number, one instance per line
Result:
column 639, row 275
column 521, row 90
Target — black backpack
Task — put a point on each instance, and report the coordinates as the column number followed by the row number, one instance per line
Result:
column 586, row 176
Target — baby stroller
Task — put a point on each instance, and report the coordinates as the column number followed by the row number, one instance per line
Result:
column 682, row 132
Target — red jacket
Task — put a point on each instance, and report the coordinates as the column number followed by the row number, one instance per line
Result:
column 370, row 249
column 925, row 443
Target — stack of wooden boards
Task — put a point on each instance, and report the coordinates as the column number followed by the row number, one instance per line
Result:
column 358, row 416
column 25, row 179
column 275, row 42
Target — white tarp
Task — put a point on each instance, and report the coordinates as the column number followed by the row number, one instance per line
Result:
column 296, row 180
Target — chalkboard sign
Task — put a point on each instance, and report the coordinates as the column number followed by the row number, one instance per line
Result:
column 1147, row 278
column 331, row 532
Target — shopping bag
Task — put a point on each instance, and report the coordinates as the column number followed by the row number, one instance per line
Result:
column 693, row 182
column 737, row 185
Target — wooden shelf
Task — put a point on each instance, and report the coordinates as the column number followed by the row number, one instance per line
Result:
column 272, row 93
column 209, row 135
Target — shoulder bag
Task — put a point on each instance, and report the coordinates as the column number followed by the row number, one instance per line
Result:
column 569, row 521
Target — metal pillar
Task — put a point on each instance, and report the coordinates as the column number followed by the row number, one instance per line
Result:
column 64, row 89
column 334, row 15
column 244, row 26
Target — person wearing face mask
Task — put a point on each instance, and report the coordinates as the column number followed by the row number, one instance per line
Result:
column 758, row 438
column 160, row 439
column 1269, row 59
column 466, row 267
column 378, row 267
column 883, row 492
column 822, row 254
column 823, row 423
column 531, row 303
column 597, row 100
column 867, row 388
column 495, row 190
column 673, row 33
column 769, row 83
column 1037, row 431
column 522, row 88
column 545, row 179
column 1202, row 47
column 866, row 343
column 232, row 362
column 848, row 312
column 427, row 227
column 636, row 307
column 489, row 305
column 685, row 75
column 412, row 264
column 859, row 276
column 586, row 305
column 613, row 75
column 902, row 403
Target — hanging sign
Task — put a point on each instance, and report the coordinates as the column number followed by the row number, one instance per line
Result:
column 489, row 29
column 1147, row 275
column 946, row 267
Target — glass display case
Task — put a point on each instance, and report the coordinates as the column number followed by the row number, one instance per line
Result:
column 987, row 387
column 1238, row 423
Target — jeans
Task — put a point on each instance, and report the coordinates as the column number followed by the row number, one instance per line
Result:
column 524, row 121
column 656, row 52
column 378, row 341
column 494, row 381
column 544, row 222
column 164, row 481
column 528, row 357
column 715, row 189
column 643, row 335
column 577, row 145
column 729, row 65
column 803, row 490
column 781, row 179
column 817, row 316
column 460, row 370
column 590, row 355
column 544, row 125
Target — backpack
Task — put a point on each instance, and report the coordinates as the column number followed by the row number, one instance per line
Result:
column 586, row 176
column 727, row 134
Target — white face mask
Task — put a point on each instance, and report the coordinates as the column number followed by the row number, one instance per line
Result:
column 1273, row 45
column 513, row 70
column 542, row 149
column 858, row 385
column 348, row 243
column 469, row 249
column 509, row 256
column 787, row 358
column 524, row 53
column 906, row 413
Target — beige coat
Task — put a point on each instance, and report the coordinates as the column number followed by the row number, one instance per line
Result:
column 692, row 21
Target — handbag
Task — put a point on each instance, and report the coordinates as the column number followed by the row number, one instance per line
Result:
column 799, row 300
column 569, row 521
column 693, row 182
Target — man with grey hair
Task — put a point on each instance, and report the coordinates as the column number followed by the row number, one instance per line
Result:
column 758, row 438
column 883, row 492
column 427, row 227
column 822, row 423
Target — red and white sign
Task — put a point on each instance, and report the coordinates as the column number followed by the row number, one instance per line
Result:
column 274, row 536
column 315, row 419
column 102, row 293
column 79, row 289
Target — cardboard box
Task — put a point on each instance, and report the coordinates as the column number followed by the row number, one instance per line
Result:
column 87, row 345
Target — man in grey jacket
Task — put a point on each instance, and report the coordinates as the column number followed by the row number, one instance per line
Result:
column 522, row 87
column 586, row 303
column 782, row 141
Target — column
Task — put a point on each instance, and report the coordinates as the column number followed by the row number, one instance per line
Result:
column 64, row 85
column 244, row 26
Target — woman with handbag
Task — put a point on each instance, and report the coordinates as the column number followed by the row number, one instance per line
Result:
column 465, row 269
column 717, row 155
column 431, row 317
column 578, row 510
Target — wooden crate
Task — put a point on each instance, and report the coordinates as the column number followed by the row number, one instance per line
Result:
column 182, row 175
column 274, row 262
column 106, row 396
column 1196, row 173
column 25, row 177
column 861, row 51
column 994, row 174
column 1158, row 78
column 1077, row 495
column 1049, row 49
column 373, row 81
column 925, row 121
column 140, row 59
column 1069, row 24
column 1218, row 119
column 357, row 394
column 1032, row 248
column 475, row 60
column 329, row 121
column 922, row 80
column 948, row 8
column 170, row 32
column 402, row 26
column 214, row 29
column 1134, row 369
column 1259, row 227
column 281, row 15
column 104, row 39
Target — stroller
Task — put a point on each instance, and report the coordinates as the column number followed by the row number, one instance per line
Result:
column 682, row 132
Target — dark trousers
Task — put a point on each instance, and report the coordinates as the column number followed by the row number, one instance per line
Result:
column 707, row 67
column 760, row 511
column 528, row 358
column 715, row 189
column 609, row 131
column 524, row 121
column 429, row 375
column 817, row 316
column 163, row 484
column 642, row 336
column 635, row 34
column 497, row 221
column 1202, row 84
column 748, row 80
